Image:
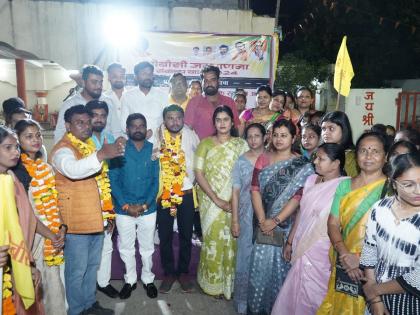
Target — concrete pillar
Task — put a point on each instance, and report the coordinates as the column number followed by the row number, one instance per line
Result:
column 20, row 79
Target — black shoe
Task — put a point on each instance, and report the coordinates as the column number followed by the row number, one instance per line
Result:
column 97, row 309
column 109, row 291
column 125, row 292
column 151, row 290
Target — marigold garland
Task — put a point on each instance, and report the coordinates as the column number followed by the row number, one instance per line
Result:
column 172, row 159
column 46, row 204
column 7, row 302
column 104, row 186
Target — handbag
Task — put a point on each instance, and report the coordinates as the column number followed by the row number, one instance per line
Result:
column 276, row 239
column 344, row 284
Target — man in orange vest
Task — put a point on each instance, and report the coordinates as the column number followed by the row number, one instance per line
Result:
column 77, row 163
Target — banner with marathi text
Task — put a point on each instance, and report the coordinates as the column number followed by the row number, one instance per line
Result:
column 245, row 61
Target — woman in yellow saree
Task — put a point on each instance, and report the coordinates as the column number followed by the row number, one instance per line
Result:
column 347, row 224
column 214, row 160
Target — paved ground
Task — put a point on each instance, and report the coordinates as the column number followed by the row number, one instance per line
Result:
column 174, row 303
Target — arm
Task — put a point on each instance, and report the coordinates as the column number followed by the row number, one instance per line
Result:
column 236, row 186
column 235, row 228
column 154, row 187
column 125, row 111
column 115, row 174
column 287, row 249
column 199, row 166
column 43, row 230
column 205, row 186
column 189, row 113
column 60, row 128
column 286, row 212
column 66, row 163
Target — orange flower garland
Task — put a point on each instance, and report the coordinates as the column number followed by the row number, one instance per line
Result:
column 46, row 203
column 104, row 186
column 8, row 306
column 172, row 160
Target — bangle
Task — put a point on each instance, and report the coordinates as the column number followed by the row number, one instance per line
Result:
column 277, row 220
column 125, row 207
column 63, row 226
column 380, row 301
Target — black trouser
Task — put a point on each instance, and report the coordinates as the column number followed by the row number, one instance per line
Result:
column 197, row 224
column 185, row 219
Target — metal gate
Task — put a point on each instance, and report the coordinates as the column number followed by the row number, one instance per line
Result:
column 408, row 110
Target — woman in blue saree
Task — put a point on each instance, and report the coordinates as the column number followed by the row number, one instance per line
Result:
column 277, row 180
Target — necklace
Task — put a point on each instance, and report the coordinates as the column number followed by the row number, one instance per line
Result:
column 398, row 219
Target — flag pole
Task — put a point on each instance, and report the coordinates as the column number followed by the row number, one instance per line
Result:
column 338, row 92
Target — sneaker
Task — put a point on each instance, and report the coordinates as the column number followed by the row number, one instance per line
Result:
column 166, row 284
column 126, row 290
column 151, row 290
column 109, row 291
column 186, row 284
column 97, row 309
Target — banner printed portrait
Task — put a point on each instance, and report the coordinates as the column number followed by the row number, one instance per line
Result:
column 245, row 61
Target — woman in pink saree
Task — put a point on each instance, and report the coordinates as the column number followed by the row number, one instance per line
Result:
column 308, row 244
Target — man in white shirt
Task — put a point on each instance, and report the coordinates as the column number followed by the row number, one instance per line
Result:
column 92, row 89
column 116, row 77
column 146, row 99
column 173, row 128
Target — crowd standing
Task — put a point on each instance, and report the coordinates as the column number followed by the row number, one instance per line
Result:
column 292, row 217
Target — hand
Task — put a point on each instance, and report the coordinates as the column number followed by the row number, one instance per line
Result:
column 267, row 226
column 370, row 289
column 287, row 252
column 133, row 210
column 36, row 276
column 222, row 204
column 121, row 141
column 379, row 309
column 4, row 255
column 235, row 229
column 355, row 274
column 58, row 240
column 110, row 151
column 110, row 226
column 349, row 261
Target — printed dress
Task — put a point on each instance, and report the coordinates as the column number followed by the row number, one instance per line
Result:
column 392, row 248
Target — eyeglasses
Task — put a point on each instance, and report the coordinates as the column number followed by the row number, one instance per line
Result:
column 408, row 186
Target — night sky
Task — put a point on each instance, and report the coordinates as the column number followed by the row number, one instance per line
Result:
column 290, row 10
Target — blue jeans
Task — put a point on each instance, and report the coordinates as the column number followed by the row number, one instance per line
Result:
column 82, row 253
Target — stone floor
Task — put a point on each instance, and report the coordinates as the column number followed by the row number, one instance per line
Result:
column 174, row 303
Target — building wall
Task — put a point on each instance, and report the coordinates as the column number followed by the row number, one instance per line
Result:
column 71, row 33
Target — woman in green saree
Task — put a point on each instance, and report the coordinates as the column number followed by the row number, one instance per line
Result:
column 347, row 225
column 214, row 160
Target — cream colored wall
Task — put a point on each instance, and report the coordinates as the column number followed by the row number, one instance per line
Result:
column 71, row 33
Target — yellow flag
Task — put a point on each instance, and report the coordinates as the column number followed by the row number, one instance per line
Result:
column 343, row 72
column 11, row 234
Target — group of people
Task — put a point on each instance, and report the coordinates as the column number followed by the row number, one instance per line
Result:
column 294, row 218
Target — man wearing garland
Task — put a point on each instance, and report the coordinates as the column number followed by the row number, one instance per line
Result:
column 99, row 111
column 175, row 146
column 85, row 203
column 135, row 184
